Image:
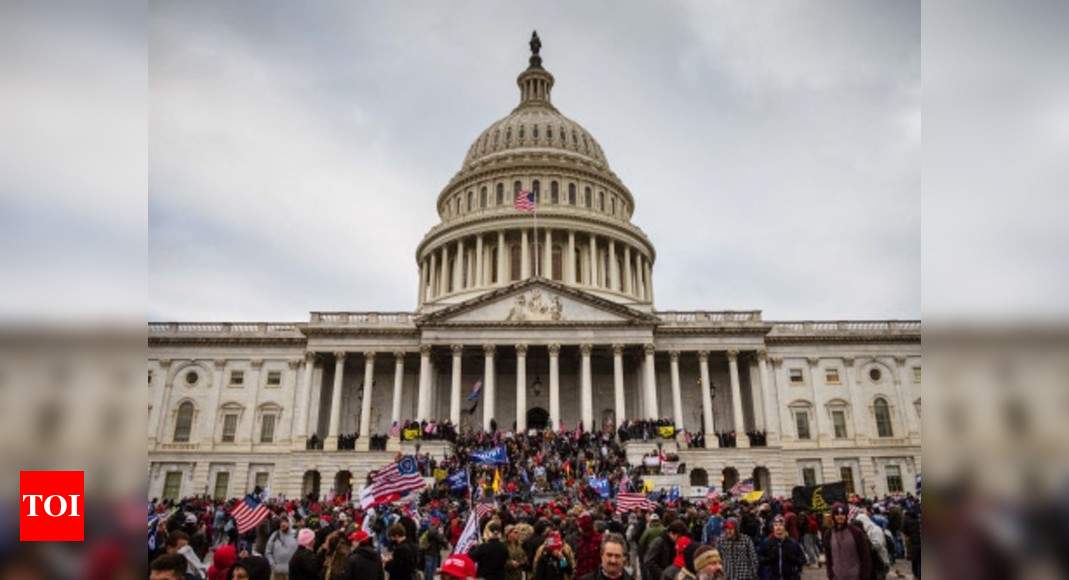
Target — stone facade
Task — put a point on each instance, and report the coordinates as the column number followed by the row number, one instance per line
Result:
column 571, row 333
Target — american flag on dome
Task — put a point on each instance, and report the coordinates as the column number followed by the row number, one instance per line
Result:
column 399, row 477
column 625, row 502
column 525, row 201
column 248, row 513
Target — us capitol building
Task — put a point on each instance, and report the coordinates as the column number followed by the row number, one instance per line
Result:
column 559, row 324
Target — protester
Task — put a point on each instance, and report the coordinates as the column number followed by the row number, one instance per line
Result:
column 846, row 549
column 305, row 564
column 613, row 558
column 781, row 558
column 401, row 563
column 661, row 551
column 517, row 562
column 251, row 568
column 738, row 553
column 223, row 559
column 491, row 555
column 457, row 567
column 551, row 560
column 168, row 567
column 178, row 543
column 280, row 548
column 431, row 544
column 707, row 563
column 364, row 561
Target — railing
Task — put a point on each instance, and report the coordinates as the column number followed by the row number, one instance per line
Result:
column 707, row 316
column 815, row 327
column 179, row 446
column 220, row 327
column 363, row 318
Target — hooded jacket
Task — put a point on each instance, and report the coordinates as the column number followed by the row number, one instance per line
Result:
column 280, row 549
column 224, row 557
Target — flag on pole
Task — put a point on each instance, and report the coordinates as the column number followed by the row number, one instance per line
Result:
column 496, row 485
column 399, row 477
column 600, row 485
column 476, row 391
column 626, row 502
column 525, row 201
column 395, row 429
column 248, row 513
column 458, row 481
column 470, row 536
column 494, row 456
column 742, row 488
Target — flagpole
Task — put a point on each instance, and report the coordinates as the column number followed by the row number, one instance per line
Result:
column 538, row 260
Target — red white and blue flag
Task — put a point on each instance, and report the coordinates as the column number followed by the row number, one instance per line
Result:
column 476, row 391
column 525, row 201
column 470, row 536
column 393, row 481
column 626, row 502
column 742, row 488
column 248, row 513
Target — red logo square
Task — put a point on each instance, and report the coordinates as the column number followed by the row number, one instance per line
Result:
column 51, row 506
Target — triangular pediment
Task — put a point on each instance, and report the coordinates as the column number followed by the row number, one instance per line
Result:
column 537, row 302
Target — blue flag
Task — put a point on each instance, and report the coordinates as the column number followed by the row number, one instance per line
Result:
column 494, row 456
column 600, row 485
column 673, row 494
column 458, row 481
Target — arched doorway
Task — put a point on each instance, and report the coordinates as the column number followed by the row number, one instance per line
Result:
column 310, row 484
column 537, row 418
column 699, row 476
column 762, row 479
column 731, row 477
column 343, row 483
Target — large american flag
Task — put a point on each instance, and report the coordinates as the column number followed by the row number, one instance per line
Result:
column 625, row 502
column 399, row 477
column 248, row 513
column 742, row 488
column 525, row 201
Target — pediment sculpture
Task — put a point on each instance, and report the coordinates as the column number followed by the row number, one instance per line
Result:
column 532, row 306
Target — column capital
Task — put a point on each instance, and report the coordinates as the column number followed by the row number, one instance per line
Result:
column 293, row 363
column 310, row 357
column 813, row 360
column 649, row 348
column 399, row 356
column 164, row 362
column 674, row 355
column 776, row 360
column 219, row 363
column 732, row 354
column 554, row 350
column 617, row 349
column 489, row 349
column 585, row 349
column 848, row 361
column 762, row 354
column 425, row 350
column 369, row 356
column 256, row 363
column 703, row 356
column 521, row 350
column 458, row 349
column 900, row 360
column 340, row 355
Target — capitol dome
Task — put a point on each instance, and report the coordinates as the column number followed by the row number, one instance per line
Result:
column 583, row 236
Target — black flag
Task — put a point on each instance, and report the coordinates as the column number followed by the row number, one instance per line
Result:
column 819, row 497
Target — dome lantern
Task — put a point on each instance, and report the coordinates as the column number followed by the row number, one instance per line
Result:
column 535, row 83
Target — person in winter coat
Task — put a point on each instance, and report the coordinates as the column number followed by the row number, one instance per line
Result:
column 491, row 555
column 679, row 562
column 279, row 549
column 222, row 559
column 305, row 564
column 431, row 544
column 780, row 557
column 337, row 550
column 402, row 563
column 251, row 568
column 553, row 560
column 653, row 530
column 364, row 560
column 662, row 550
column 589, row 554
column 714, row 526
column 881, row 557
column 846, row 549
column 613, row 559
column 738, row 553
column 517, row 561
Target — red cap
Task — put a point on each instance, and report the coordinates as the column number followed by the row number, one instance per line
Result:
column 553, row 541
column 359, row 537
column 730, row 525
column 458, row 566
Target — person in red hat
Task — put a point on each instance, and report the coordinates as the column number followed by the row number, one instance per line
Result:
column 738, row 553
column 457, row 566
column 364, row 561
column 551, row 560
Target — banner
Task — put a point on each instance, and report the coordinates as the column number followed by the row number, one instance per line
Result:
column 458, row 481
column 494, row 456
column 666, row 431
column 600, row 485
column 651, row 461
column 410, row 434
column 819, row 497
column 670, row 468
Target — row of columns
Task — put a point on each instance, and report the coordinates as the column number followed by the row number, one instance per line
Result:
column 456, row 266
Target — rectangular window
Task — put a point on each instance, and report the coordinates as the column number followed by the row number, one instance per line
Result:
column 237, row 378
column 838, row 418
column 916, row 374
column 809, row 476
column 846, row 474
column 222, row 485
column 150, row 378
column 831, row 376
column 230, row 427
column 261, row 479
column 894, row 479
column 797, row 378
column 172, row 484
column 801, row 421
column 274, row 378
column 267, row 429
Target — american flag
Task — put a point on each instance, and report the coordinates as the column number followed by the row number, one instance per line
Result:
column 626, row 502
column 525, row 201
column 470, row 536
column 398, row 477
column 742, row 488
column 248, row 513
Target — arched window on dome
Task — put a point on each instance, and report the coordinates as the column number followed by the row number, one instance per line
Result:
column 556, row 272
column 586, row 144
column 494, row 277
column 549, row 132
column 601, row 201
column 501, row 194
column 497, row 133
column 514, row 262
column 516, row 185
column 571, row 194
column 508, row 135
column 456, row 206
column 554, row 192
column 536, row 188
column 882, row 411
column 612, row 206
column 534, row 132
column 471, row 200
column 575, row 138
column 521, row 132
column 586, row 197
column 183, row 423
column 482, row 197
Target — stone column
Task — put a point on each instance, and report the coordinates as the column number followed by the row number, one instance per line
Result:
column 458, row 267
column 627, row 271
column 398, row 386
column 160, row 403
column 331, row 441
column 736, row 399
column 525, row 256
column 433, row 281
column 554, row 386
column 638, row 277
column 501, row 251
column 423, row 402
column 443, row 284
column 586, row 389
column 648, row 277
column 254, row 382
column 521, row 388
column 711, row 442
column 677, row 396
column 479, row 262
column 547, row 256
column 618, row 383
column 818, row 405
column 304, row 396
column 489, row 393
column 768, row 391
column 365, row 404
column 757, row 399
column 217, row 392
column 857, row 405
column 778, row 380
column 614, row 273
column 454, row 390
column 569, row 261
column 651, row 383
column 422, row 283
column 905, row 414
column 593, row 261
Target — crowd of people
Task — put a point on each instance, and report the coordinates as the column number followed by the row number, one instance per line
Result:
column 546, row 520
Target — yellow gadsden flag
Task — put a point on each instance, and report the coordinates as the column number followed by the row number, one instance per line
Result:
column 647, row 486
column 753, row 496
column 496, row 486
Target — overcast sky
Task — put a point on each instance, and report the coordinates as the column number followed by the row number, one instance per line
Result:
column 296, row 149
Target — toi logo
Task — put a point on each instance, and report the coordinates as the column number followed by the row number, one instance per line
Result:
column 51, row 506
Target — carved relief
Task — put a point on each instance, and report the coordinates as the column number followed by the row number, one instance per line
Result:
column 532, row 306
